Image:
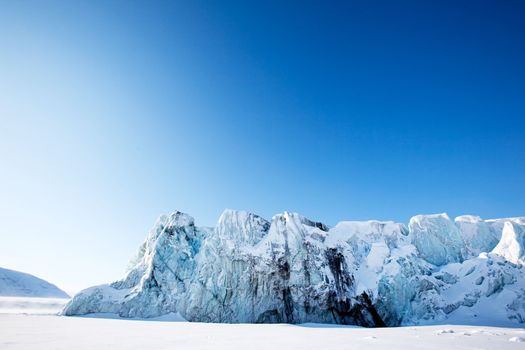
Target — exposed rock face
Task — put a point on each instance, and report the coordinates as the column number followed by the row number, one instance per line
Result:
column 295, row 270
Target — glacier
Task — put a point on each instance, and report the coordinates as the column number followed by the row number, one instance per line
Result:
column 296, row 270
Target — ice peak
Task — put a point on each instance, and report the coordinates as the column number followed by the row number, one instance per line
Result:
column 468, row 218
column 512, row 243
column 418, row 219
column 228, row 212
column 242, row 227
column 437, row 238
column 178, row 219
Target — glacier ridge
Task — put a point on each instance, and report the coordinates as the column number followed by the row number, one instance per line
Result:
column 295, row 270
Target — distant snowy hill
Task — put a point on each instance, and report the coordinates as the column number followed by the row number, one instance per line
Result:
column 295, row 270
column 20, row 284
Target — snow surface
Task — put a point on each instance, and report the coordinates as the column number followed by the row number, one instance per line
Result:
column 15, row 283
column 24, row 326
column 31, row 306
column 79, row 333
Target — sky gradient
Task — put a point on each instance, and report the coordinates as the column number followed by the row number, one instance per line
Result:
column 115, row 112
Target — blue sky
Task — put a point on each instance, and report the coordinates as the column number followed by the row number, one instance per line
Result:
column 114, row 112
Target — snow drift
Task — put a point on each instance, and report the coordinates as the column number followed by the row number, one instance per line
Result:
column 296, row 270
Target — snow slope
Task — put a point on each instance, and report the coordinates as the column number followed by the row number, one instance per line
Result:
column 65, row 333
column 295, row 270
column 15, row 283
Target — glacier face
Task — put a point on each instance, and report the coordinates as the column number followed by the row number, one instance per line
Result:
column 292, row 269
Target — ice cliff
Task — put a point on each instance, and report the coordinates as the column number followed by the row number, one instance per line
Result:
column 292, row 269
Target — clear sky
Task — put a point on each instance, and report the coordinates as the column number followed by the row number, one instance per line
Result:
column 112, row 113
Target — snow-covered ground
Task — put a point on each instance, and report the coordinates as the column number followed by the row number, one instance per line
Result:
column 31, row 306
column 56, row 332
column 25, row 331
